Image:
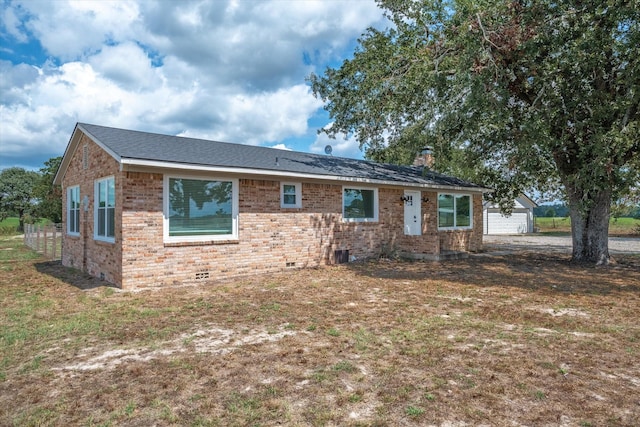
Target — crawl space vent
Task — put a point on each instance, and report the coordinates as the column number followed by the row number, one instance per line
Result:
column 341, row 256
column 202, row 275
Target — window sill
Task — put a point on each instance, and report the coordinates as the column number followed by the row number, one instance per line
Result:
column 201, row 243
column 360, row 220
column 104, row 241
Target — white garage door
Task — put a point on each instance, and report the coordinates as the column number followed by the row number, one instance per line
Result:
column 496, row 223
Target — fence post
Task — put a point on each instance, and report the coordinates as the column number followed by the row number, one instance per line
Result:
column 44, row 239
column 46, row 242
column 53, row 248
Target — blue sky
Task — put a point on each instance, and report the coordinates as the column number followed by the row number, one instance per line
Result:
column 225, row 70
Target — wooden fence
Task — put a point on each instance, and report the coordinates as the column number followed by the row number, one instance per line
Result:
column 45, row 239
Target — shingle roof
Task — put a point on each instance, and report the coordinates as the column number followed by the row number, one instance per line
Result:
column 135, row 146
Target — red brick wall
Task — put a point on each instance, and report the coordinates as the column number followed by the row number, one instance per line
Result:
column 465, row 240
column 270, row 238
column 100, row 259
column 142, row 221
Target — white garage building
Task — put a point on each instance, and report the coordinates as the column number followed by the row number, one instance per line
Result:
column 520, row 221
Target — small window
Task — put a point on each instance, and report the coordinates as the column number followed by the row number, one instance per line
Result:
column 454, row 211
column 290, row 195
column 73, row 210
column 200, row 209
column 105, row 209
column 360, row 204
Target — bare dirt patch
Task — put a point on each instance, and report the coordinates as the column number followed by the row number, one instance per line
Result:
column 514, row 340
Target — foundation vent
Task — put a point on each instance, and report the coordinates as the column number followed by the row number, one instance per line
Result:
column 341, row 256
column 290, row 264
column 202, row 275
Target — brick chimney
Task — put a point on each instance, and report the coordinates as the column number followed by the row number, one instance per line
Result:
column 424, row 158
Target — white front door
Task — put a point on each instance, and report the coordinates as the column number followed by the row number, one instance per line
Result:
column 412, row 213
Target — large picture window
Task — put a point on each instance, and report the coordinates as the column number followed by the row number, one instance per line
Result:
column 454, row 211
column 105, row 209
column 73, row 210
column 360, row 204
column 198, row 209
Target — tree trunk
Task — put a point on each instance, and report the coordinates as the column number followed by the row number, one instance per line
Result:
column 21, row 220
column 590, row 227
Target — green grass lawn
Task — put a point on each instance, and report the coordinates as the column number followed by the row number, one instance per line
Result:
column 619, row 226
column 13, row 249
column 519, row 339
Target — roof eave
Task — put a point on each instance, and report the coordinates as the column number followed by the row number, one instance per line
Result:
column 66, row 157
column 74, row 141
column 130, row 163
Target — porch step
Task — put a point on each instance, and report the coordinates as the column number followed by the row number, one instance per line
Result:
column 442, row 256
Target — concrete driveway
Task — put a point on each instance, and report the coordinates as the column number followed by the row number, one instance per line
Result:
column 561, row 244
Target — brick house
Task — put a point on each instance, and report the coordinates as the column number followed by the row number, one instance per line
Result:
column 145, row 209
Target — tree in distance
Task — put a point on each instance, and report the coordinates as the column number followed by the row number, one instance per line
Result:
column 49, row 195
column 17, row 193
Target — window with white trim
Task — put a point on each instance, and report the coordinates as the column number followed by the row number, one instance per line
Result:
column 290, row 195
column 73, row 210
column 105, row 209
column 454, row 211
column 200, row 209
column 360, row 204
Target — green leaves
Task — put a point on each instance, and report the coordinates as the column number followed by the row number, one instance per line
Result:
column 518, row 96
column 49, row 196
column 17, row 192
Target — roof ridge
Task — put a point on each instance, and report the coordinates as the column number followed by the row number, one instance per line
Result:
column 223, row 142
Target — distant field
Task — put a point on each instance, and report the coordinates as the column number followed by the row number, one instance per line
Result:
column 620, row 226
column 10, row 225
column 10, row 222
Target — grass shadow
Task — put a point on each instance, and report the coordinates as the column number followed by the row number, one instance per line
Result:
column 71, row 276
column 531, row 271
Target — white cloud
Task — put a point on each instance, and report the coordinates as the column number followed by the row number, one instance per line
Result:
column 127, row 65
column 281, row 147
column 226, row 70
column 262, row 117
column 72, row 29
column 341, row 146
column 259, row 45
column 10, row 23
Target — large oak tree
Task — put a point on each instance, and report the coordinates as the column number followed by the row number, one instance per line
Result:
column 516, row 95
